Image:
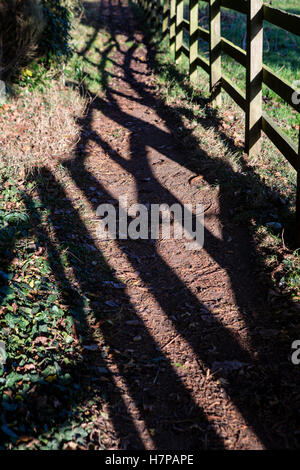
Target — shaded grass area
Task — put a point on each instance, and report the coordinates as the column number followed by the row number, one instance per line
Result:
column 47, row 398
column 35, row 325
column 89, row 45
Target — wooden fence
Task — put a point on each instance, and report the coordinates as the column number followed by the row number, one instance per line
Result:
column 168, row 15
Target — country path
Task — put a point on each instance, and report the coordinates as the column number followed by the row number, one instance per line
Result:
column 189, row 365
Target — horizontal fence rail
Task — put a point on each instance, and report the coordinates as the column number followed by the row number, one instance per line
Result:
column 168, row 15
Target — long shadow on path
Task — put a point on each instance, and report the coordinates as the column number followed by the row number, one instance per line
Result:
column 262, row 395
column 148, row 402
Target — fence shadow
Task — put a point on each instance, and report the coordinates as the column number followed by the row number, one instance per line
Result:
column 250, row 295
column 265, row 394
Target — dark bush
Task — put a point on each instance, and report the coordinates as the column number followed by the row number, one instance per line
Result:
column 33, row 28
column 56, row 35
column 21, row 26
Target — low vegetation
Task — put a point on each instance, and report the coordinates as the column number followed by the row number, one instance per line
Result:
column 39, row 127
column 42, row 403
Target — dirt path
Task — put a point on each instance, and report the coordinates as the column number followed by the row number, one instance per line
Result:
column 191, row 364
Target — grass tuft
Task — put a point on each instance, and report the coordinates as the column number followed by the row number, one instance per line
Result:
column 38, row 128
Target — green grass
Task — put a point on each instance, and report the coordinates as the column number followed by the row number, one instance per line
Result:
column 292, row 6
column 90, row 68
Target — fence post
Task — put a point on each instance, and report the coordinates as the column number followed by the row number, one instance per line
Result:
column 194, row 22
column 254, row 76
column 215, row 51
column 165, row 20
column 172, row 26
column 179, row 30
